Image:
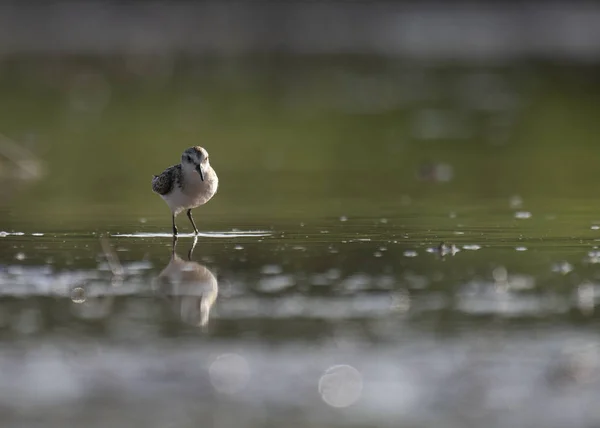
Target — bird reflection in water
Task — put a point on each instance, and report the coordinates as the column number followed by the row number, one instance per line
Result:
column 190, row 287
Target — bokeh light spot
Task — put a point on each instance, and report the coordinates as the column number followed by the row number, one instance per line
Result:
column 340, row 386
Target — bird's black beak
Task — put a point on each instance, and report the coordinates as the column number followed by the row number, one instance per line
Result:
column 199, row 169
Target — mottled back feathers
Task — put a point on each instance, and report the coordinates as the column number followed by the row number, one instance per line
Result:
column 164, row 183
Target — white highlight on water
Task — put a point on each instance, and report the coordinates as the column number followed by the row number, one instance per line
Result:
column 237, row 234
column 340, row 386
column 229, row 373
column 4, row 234
column 522, row 214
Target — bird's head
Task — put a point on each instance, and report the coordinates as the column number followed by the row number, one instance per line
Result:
column 195, row 158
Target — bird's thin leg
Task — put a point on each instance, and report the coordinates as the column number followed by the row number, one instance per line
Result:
column 192, row 248
column 174, row 227
column 189, row 214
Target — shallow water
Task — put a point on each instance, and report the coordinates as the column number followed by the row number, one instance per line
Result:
column 344, row 321
column 388, row 271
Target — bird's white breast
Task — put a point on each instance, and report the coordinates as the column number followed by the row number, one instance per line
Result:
column 194, row 191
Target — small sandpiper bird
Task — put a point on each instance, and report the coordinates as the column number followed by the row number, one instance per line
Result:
column 187, row 185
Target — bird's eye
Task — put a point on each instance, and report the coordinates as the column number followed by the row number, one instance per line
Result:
column 189, row 158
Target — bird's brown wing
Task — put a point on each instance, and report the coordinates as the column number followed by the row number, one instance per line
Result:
column 164, row 183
